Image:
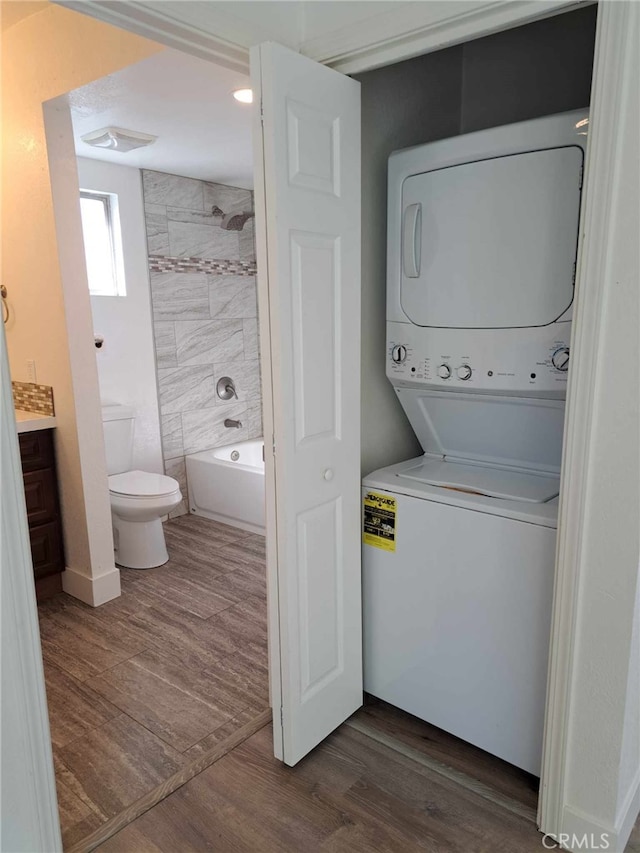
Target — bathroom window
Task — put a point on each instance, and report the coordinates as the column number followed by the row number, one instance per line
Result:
column 102, row 243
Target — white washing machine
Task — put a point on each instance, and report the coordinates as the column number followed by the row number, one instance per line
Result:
column 459, row 544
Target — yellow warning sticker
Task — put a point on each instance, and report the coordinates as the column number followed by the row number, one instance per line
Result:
column 379, row 521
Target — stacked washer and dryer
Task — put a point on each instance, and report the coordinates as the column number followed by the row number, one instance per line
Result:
column 459, row 544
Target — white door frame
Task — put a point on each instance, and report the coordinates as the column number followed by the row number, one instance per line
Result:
column 409, row 30
column 29, row 807
column 609, row 194
column 611, row 74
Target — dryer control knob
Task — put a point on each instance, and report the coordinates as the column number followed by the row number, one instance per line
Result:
column 464, row 372
column 399, row 354
column 444, row 371
column 560, row 359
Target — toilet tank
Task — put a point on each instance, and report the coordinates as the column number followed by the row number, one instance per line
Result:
column 117, row 423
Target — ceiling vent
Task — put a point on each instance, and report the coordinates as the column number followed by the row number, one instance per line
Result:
column 117, row 139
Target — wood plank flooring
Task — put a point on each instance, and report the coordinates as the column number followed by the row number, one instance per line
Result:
column 350, row 794
column 145, row 685
column 440, row 746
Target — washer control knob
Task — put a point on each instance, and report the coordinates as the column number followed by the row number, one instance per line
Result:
column 444, row 371
column 464, row 372
column 399, row 354
column 560, row 359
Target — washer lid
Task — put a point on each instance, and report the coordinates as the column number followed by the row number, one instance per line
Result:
column 387, row 480
column 142, row 484
column 518, row 433
column 484, row 480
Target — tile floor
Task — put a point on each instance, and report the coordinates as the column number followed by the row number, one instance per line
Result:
column 141, row 686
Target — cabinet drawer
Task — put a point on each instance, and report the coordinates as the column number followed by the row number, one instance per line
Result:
column 46, row 549
column 40, row 494
column 36, row 449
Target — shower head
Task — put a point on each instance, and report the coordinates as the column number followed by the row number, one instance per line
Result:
column 235, row 221
column 231, row 221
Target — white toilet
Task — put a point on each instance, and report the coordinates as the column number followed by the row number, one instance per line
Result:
column 138, row 499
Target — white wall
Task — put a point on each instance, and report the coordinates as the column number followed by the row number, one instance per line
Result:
column 126, row 361
column 102, row 580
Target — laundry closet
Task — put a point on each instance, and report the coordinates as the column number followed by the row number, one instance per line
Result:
column 467, row 306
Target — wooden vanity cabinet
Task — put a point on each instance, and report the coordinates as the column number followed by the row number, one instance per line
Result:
column 43, row 509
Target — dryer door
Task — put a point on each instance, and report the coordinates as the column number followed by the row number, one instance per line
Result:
column 492, row 244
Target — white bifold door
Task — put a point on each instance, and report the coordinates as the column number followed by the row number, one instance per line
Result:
column 307, row 188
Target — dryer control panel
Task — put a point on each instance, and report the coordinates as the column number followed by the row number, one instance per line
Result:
column 498, row 362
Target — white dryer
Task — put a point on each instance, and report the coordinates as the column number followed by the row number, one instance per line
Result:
column 459, row 544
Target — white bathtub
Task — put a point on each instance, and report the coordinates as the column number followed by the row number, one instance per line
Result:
column 227, row 484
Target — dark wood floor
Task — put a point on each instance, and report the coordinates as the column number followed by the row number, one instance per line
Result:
column 140, row 687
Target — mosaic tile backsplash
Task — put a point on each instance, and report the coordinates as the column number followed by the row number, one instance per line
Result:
column 202, row 268
column 30, row 397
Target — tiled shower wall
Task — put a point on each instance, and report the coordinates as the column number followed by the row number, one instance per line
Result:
column 203, row 295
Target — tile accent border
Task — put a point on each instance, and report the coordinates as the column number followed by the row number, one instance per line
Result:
column 164, row 789
column 164, row 263
column 30, row 397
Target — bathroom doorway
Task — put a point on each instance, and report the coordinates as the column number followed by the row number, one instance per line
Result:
column 148, row 688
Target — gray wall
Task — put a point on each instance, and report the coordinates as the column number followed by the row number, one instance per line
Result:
column 524, row 73
column 203, row 299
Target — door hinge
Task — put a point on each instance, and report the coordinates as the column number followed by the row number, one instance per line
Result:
column 281, row 716
column 261, row 113
column 273, row 445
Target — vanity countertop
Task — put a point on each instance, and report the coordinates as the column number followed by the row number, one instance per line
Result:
column 30, row 421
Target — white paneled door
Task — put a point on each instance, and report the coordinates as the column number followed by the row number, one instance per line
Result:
column 307, row 144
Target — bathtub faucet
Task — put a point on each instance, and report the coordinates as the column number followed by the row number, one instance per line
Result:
column 229, row 422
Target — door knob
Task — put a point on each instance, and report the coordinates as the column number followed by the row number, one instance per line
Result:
column 328, row 474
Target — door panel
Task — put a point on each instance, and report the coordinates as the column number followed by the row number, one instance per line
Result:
column 314, row 148
column 308, row 233
column 320, row 597
column 315, row 289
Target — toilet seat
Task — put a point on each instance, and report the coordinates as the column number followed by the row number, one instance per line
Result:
column 142, row 484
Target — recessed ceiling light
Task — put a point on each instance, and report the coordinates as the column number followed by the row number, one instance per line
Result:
column 245, row 96
column 117, row 139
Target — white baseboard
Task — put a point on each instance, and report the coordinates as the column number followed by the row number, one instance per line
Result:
column 93, row 591
column 628, row 813
column 582, row 832
column 577, row 826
